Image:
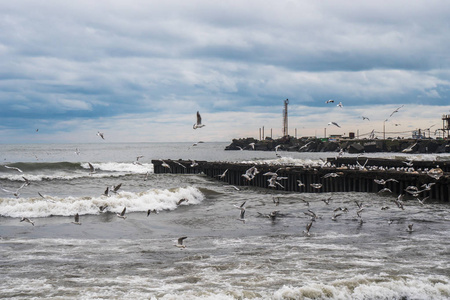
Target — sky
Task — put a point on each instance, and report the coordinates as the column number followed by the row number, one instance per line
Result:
column 138, row 71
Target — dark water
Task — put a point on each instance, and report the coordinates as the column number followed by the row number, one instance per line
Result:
column 135, row 258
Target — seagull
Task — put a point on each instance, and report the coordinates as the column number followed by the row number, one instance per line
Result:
column 151, row 210
column 122, row 214
column 146, row 176
column 77, row 220
column 311, row 214
column 334, row 217
column 327, row 201
column 365, row 118
column 27, row 220
column 115, row 188
column 180, row 242
column 428, row 186
column 194, row 164
column 199, row 122
column 306, row 202
column 300, row 183
column 241, row 207
column 329, row 101
column 14, row 168
column 308, row 227
column 165, row 165
column 359, row 204
column 423, row 200
column 182, row 200
column 137, row 160
column 92, row 169
column 330, row 175
column 16, row 193
column 395, row 111
column 241, row 215
column 102, row 208
column 77, row 152
column 334, row 123
column 304, row 146
column 276, row 200
column 410, row 228
column 223, row 174
column 340, row 105
column 316, row 185
column 100, row 134
column 252, row 145
column 106, row 192
column 240, row 148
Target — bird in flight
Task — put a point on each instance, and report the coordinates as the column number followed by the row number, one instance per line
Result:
column 329, row 101
column 100, row 134
column 198, row 124
column 335, row 124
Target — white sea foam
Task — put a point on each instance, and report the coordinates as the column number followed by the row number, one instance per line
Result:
column 128, row 168
column 134, row 202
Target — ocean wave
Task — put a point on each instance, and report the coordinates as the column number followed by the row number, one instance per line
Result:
column 154, row 199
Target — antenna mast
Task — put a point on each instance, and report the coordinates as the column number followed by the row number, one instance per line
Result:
column 285, row 118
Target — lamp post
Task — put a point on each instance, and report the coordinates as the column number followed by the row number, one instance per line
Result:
column 384, row 129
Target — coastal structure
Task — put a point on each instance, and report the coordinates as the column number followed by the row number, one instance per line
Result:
column 349, row 175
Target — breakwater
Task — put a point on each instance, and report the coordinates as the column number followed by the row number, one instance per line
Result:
column 289, row 143
column 337, row 175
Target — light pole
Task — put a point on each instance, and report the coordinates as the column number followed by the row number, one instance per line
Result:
column 384, row 129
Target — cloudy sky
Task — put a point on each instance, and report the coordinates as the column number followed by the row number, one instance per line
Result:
column 140, row 70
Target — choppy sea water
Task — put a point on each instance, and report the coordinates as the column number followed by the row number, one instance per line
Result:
column 135, row 258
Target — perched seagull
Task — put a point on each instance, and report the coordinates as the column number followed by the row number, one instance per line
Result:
column 27, row 220
column 395, row 111
column 180, row 242
column 308, row 227
column 334, row 123
column 92, row 169
column 329, row 101
column 199, row 122
column 340, row 105
column 100, row 134
column 122, row 214
column 14, row 168
column 77, row 220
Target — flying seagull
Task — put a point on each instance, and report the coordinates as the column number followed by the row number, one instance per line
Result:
column 340, row 105
column 122, row 214
column 335, row 124
column 27, row 220
column 308, row 227
column 14, row 168
column 180, row 242
column 92, row 169
column 395, row 111
column 199, row 122
column 100, row 134
column 77, row 220
column 365, row 118
column 329, row 101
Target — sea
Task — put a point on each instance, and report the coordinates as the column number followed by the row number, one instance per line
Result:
column 137, row 257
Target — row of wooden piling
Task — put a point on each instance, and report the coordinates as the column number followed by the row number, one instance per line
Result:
column 348, row 180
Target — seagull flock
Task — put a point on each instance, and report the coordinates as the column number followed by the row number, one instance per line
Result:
column 413, row 191
column 340, row 105
column 113, row 189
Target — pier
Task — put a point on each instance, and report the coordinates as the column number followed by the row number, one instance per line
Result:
column 350, row 176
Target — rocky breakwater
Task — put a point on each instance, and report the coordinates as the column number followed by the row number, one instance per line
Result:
column 289, row 143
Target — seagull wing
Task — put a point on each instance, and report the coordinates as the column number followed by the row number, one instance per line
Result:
column 180, row 240
column 123, row 211
column 199, row 119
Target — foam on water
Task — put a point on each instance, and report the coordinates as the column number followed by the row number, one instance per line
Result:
column 165, row 199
